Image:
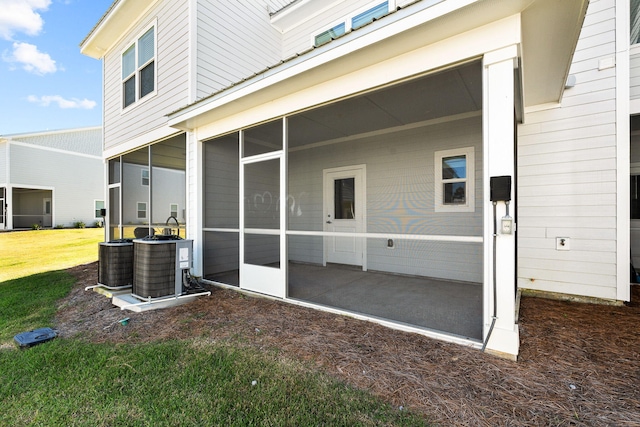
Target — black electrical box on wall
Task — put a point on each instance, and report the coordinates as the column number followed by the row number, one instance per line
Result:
column 500, row 188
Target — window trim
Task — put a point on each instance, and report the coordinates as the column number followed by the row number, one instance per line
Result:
column 146, row 210
column 470, row 203
column 95, row 207
column 142, row 177
column 138, row 68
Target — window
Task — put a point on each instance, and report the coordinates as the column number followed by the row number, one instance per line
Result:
column 357, row 21
column 344, row 198
column 98, row 205
column 173, row 210
column 330, row 34
column 369, row 15
column 138, row 69
column 455, row 180
column 635, row 22
column 145, row 177
column 142, row 210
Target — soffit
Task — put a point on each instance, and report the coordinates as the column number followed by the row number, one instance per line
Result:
column 550, row 31
column 113, row 25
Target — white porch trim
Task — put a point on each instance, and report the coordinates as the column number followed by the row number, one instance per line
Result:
column 499, row 160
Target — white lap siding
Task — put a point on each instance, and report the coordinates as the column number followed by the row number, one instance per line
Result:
column 566, row 160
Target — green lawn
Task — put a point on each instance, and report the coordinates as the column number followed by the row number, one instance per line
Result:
column 36, row 251
column 178, row 383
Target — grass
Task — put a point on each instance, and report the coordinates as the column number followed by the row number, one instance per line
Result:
column 189, row 382
column 68, row 382
column 29, row 302
column 36, row 251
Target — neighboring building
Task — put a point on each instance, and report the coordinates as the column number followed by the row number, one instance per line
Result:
column 357, row 156
column 50, row 179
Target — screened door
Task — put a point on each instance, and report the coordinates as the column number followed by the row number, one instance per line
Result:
column 262, row 225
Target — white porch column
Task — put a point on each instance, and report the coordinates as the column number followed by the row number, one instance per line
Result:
column 499, row 160
column 194, row 200
column 8, row 200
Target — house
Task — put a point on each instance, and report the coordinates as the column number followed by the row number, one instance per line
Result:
column 412, row 163
column 39, row 178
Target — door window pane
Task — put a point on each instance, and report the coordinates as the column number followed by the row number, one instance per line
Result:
column 344, row 198
column 262, row 194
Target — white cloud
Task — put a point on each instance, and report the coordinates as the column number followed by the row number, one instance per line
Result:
column 31, row 59
column 45, row 101
column 20, row 16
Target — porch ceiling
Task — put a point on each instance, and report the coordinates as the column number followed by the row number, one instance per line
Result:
column 454, row 91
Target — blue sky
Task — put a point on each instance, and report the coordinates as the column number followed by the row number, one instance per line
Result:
column 45, row 82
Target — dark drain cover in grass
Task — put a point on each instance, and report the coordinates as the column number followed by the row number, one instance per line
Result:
column 37, row 336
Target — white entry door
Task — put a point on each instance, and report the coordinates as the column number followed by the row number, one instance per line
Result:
column 2, row 213
column 46, row 212
column 345, row 212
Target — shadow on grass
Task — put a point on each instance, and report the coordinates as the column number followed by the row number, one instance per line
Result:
column 30, row 302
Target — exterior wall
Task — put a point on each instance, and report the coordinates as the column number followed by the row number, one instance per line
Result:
column 76, row 180
column 172, row 79
column 567, row 175
column 400, row 199
column 3, row 162
column 235, row 41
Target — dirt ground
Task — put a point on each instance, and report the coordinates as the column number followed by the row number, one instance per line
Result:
column 579, row 364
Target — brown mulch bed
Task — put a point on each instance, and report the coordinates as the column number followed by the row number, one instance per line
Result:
column 579, row 364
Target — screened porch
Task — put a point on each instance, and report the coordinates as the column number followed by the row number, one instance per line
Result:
column 371, row 205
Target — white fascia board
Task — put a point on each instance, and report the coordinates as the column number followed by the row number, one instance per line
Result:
column 49, row 132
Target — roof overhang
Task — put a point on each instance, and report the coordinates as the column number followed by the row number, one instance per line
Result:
column 549, row 31
column 115, row 23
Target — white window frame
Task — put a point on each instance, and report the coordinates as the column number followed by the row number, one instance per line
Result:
column 171, row 205
column 470, row 204
column 138, row 67
column 348, row 20
column 146, row 211
column 143, row 177
column 95, row 207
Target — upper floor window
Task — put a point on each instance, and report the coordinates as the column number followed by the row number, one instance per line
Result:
column 138, row 69
column 330, row 34
column 369, row 15
column 635, row 22
column 355, row 22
